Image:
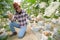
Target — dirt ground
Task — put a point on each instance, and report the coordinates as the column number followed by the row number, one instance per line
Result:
column 29, row 35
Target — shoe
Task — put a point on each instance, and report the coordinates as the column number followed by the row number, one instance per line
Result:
column 13, row 34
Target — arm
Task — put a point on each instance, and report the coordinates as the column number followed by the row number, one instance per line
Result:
column 27, row 16
column 11, row 16
column 14, row 18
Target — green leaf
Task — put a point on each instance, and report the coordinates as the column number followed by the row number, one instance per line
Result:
column 49, row 38
column 4, row 4
column 46, row 17
column 37, row 6
column 32, row 1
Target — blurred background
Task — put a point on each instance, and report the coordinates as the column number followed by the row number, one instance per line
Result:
column 45, row 10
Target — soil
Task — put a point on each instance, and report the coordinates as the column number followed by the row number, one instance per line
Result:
column 29, row 35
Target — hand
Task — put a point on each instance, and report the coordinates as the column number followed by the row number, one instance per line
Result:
column 10, row 16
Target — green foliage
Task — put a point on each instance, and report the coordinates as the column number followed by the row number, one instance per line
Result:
column 46, row 17
column 5, row 16
column 55, row 16
column 58, row 31
column 32, row 1
column 4, row 38
column 1, row 16
column 49, row 38
column 7, row 28
column 42, row 10
column 5, row 5
column 33, row 7
column 37, row 6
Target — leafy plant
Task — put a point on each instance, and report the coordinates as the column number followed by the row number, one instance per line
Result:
column 49, row 38
column 5, row 5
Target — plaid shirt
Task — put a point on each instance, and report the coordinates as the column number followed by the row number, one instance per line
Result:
column 21, row 18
